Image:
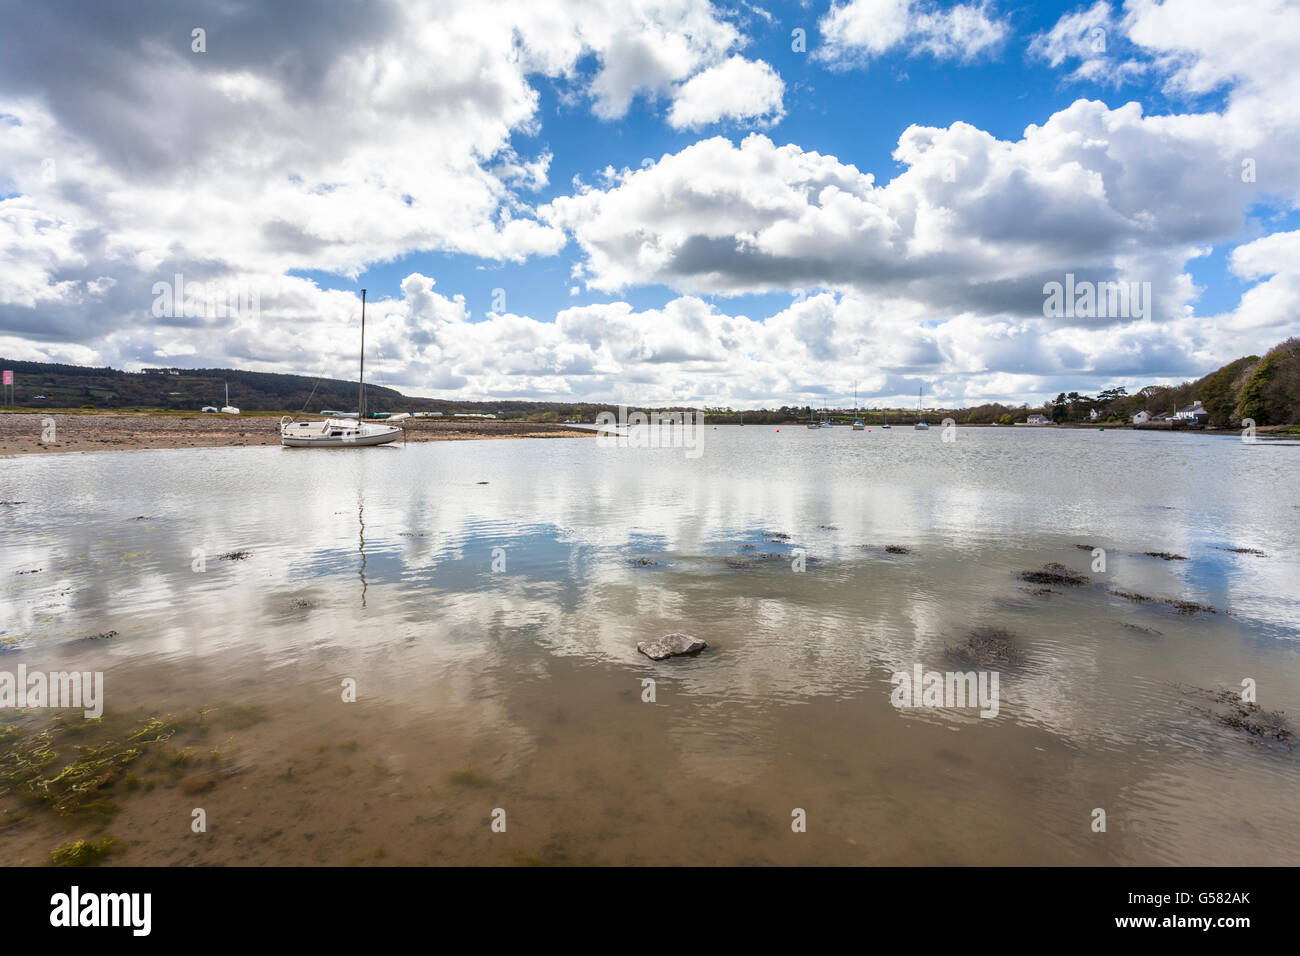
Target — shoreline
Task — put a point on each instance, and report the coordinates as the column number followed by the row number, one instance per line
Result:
column 110, row 430
column 21, row 432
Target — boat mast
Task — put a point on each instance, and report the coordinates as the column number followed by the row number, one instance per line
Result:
column 361, row 386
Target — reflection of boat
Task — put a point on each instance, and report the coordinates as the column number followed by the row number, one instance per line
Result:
column 228, row 409
column 921, row 424
column 343, row 432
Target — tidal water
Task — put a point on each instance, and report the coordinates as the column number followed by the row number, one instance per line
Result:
column 485, row 599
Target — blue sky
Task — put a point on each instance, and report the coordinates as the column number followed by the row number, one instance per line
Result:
column 312, row 151
column 856, row 115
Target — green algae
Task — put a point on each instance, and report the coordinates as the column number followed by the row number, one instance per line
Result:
column 84, row 852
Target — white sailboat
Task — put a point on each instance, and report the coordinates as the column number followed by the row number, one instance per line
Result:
column 857, row 419
column 228, row 409
column 921, row 424
column 343, row 432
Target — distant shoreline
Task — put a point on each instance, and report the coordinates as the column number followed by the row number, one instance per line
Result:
column 78, row 430
column 21, row 432
column 1160, row 427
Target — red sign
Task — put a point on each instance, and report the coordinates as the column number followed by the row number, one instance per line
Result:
column 9, row 377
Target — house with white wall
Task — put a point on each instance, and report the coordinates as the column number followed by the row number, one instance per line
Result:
column 1194, row 412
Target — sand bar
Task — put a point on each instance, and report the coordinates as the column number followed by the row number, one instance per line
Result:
column 23, row 433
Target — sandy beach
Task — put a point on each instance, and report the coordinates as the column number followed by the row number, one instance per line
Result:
column 23, row 433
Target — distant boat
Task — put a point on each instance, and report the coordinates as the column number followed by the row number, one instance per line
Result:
column 343, row 432
column 857, row 420
column 811, row 423
column 884, row 419
column 210, row 409
column 228, row 409
column 921, row 424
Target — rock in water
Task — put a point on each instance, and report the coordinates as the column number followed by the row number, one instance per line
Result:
column 670, row 645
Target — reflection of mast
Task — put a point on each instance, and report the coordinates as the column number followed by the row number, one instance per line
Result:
column 361, row 546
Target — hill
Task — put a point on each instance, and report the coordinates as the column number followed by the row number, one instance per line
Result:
column 73, row 386
column 1264, row 389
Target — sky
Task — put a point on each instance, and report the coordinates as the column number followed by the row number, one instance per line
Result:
column 654, row 201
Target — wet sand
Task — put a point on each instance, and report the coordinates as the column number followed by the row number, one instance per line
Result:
column 22, row 433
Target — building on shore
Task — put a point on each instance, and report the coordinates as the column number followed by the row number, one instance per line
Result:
column 1194, row 412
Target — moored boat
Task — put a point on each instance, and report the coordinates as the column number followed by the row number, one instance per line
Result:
column 335, row 433
column 228, row 409
column 340, row 432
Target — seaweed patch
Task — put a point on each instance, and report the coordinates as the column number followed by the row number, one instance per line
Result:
column 1055, row 573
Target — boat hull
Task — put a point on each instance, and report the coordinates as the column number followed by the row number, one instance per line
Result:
column 331, row 435
column 303, row 442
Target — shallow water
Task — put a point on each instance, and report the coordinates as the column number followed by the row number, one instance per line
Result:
column 520, row 688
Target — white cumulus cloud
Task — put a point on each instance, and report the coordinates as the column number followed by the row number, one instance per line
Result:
column 738, row 89
column 862, row 29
